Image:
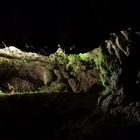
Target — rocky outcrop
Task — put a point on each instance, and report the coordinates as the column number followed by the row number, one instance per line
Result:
column 30, row 72
column 126, row 106
column 84, row 81
column 37, row 73
column 122, row 54
column 114, row 65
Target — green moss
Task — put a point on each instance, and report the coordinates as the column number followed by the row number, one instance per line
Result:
column 100, row 61
column 58, row 87
column 73, row 64
column 84, row 56
column 59, row 57
column 3, row 59
column 1, row 92
column 109, row 74
column 14, row 61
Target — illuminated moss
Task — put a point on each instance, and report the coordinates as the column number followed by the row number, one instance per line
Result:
column 1, row 92
column 84, row 56
column 100, row 61
column 109, row 73
column 54, row 87
column 57, row 87
column 3, row 59
column 73, row 65
column 59, row 57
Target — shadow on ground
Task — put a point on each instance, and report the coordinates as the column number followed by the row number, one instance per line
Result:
column 64, row 116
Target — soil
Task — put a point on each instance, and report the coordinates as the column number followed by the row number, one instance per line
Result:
column 64, row 116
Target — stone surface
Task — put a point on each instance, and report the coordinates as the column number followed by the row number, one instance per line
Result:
column 84, row 81
column 123, row 53
column 37, row 73
column 45, row 72
column 16, row 84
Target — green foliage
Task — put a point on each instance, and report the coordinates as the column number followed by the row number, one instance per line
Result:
column 84, row 56
column 1, row 93
column 73, row 64
column 100, row 61
column 14, row 62
column 73, row 59
column 109, row 74
column 58, row 87
column 4, row 60
column 76, row 61
column 88, row 57
column 59, row 57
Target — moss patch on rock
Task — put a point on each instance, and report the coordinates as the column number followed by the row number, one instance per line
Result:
column 68, row 72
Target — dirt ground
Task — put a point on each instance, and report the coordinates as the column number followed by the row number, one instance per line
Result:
column 64, row 116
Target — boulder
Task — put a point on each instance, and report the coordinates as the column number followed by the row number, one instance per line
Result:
column 36, row 73
column 16, row 84
column 84, row 81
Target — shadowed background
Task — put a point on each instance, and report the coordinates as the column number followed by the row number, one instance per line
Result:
column 83, row 24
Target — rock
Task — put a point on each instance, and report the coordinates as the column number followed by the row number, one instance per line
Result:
column 65, row 75
column 118, row 70
column 7, row 70
column 138, row 115
column 36, row 73
column 107, row 103
column 126, row 110
column 116, row 51
column 16, row 84
column 72, row 84
column 120, row 100
column 84, row 81
column 116, row 110
column 58, row 74
column 134, row 110
column 131, row 105
column 138, row 104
